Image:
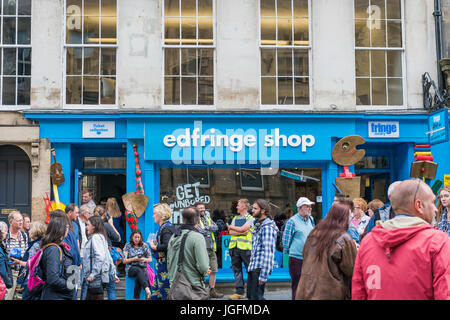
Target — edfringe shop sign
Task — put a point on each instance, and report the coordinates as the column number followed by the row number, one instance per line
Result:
column 213, row 146
column 187, row 195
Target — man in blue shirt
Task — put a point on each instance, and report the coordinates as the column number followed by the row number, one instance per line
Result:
column 294, row 236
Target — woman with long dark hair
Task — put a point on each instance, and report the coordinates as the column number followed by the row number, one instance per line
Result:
column 56, row 259
column 137, row 255
column 329, row 256
column 97, row 262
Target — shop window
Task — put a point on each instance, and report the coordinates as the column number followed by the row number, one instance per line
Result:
column 15, row 52
column 379, row 52
column 285, row 52
column 227, row 186
column 90, row 52
column 104, row 163
column 189, row 52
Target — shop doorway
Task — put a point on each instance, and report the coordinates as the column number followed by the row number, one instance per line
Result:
column 15, row 181
column 103, row 184
column 374, row 186
column 376, row 173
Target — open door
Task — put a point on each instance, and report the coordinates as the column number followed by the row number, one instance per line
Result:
column 379, row 184
column 77, row 187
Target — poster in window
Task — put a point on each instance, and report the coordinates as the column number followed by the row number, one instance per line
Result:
column 251, row 179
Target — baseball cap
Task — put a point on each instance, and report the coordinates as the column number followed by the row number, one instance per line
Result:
column 302, row 201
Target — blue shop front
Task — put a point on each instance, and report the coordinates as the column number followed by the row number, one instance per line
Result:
column 220, row 158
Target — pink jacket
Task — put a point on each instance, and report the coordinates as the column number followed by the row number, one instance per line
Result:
column 404, row 258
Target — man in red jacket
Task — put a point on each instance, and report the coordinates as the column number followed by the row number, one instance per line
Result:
column 405, row 258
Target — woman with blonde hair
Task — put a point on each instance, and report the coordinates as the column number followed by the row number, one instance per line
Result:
column 443, row 210
column 36, row 232
column 359, row 218
column 161, row 285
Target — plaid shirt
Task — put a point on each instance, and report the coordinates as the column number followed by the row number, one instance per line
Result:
column 263, row 248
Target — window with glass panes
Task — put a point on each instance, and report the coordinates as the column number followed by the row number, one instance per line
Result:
column 90, row 51
column 189, row 52
column 15, row 52
column 285, row 47
column 379, row 52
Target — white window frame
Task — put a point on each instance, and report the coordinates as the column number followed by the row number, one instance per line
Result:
column 82, row 46
column 371, row 107
column 289, row 107
column 196, row 107
column 15, row 107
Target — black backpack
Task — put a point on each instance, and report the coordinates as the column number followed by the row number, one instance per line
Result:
column 279, row 243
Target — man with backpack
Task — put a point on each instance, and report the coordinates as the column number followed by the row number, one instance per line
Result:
column 294, row 236
column 194, row 263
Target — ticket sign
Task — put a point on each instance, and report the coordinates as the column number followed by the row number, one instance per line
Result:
column 99, row 129
column 446, row 179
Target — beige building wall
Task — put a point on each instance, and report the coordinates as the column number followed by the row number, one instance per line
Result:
column 17, row 131
column 237, row 75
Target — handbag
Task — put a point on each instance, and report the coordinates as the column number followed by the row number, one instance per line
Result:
column 2, row 289
column 95, row 287
column 151, row 275
column 181, row 288
column 116, row 255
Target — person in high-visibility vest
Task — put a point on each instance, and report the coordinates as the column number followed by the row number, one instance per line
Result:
column 241, row 229
column 207, row 227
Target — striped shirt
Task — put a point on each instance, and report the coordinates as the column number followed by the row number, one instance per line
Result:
column 263, row 248
column 21, row 243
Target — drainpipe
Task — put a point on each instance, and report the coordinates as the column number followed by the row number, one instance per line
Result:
column 438, row 30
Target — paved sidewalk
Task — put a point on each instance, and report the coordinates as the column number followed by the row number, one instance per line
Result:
column 274, row 290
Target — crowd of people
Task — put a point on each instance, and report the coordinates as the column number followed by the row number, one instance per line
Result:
column 73, row 249
column 394, row 250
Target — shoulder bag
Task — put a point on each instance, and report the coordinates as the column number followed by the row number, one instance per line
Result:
column 181, row 288
column 95, row 287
